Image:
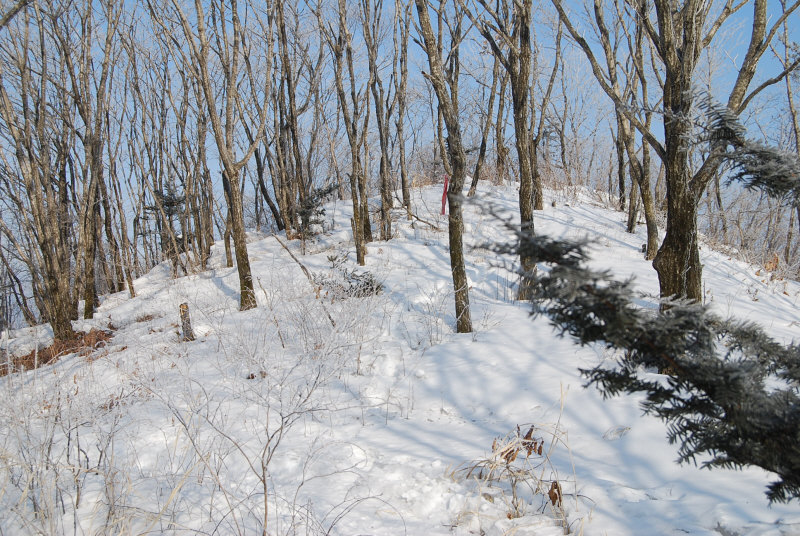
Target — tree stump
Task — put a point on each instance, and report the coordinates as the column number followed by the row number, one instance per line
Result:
column 186, row 323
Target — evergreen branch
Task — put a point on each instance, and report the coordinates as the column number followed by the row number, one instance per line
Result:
column 756, row 165
column 730, row 397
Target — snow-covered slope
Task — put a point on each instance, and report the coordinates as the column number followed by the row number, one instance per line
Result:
column 320, row 412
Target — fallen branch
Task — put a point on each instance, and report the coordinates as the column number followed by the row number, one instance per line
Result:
column 308, row 275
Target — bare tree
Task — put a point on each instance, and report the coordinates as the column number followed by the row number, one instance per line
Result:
column 295, row 182
column 786, row 60
column 115, row 221
column 159, row 140
column 641, row 170
column 36, row 120
column 447, row 94
column 56, row 108
column 228, row 50
column 539, row 121
column 486, row 128
column 679, row 33
column 627, row 84
column 297, row 61
column 90, row 90
column 199, row 192
column 500, row 124
column 507, row 29
column 289, row 147
column 71, row 105
column 371, row 15
column 354, row 107
column 402, row 27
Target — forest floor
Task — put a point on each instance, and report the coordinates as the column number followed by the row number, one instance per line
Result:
column 348, row 405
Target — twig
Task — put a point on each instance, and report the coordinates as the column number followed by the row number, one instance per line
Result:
column 308, row 275
column 434, row 227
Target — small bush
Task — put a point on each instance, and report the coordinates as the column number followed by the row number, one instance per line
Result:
column 342, row 282
column 519, row 466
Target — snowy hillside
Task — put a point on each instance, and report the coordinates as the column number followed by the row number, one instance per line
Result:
column 331, row 409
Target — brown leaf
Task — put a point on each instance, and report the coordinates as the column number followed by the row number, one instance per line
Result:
column 512, row 455
column 555, row 494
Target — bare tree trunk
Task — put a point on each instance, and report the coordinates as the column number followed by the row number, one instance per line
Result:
column 786, row 61
column 501, row 160
column 383, row 111
column 363, row 190
column 88, row 238
column 115, row 277
column 449, row 107
column 539, row 129
column 517, row 63
column 633, row 204
column 128, row 264
column 403, row 22
column 794, row 216
column 619, row 145
column 678, row 36
column 262, row 187
column 487, row 126
column 230, row 48
column 642, row 173
column 354, row 105
column 300, row 185
column 440, row 146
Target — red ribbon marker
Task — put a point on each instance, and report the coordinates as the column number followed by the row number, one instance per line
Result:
column 444, row 193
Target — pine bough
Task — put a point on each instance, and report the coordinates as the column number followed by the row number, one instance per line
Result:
column 730, row 396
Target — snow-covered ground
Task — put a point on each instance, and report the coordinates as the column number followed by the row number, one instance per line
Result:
column 321, row 413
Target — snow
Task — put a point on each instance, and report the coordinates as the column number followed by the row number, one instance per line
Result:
column 378, row 423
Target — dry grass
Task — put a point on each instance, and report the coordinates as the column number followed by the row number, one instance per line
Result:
column 520, row 467
column 84, row 344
